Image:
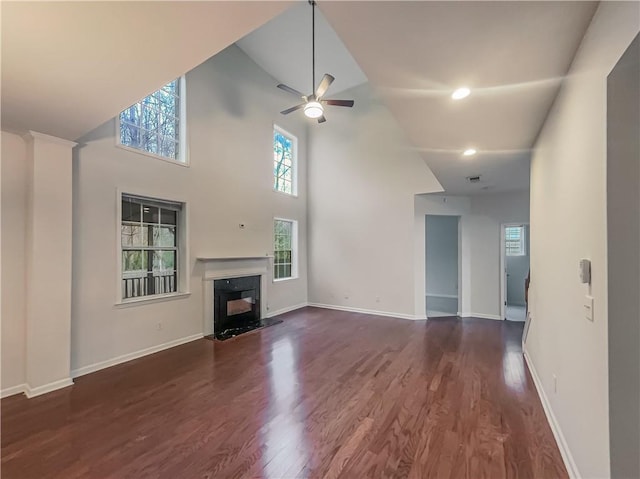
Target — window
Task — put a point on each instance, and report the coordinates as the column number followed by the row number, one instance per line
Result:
column 284, row 161
column 285, row 244
column 515, row 240
column 155, row 125
column 150, row 246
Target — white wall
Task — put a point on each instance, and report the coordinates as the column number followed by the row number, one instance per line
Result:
column 14, row 214
column 362, row 180
column 568, row 222
column 231, row 107
column 481, row 218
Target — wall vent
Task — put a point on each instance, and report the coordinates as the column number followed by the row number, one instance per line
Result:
column 473, row 179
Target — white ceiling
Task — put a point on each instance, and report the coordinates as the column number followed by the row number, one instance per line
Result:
column 68, row 67
column 511, row 54
column 282, row 48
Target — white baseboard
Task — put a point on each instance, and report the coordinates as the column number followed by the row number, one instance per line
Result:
column 565, row 452
column 365, row 311
column 47, row 388
column 481, row 316
column 277, row 312
column 12, row 391
column 135, row 355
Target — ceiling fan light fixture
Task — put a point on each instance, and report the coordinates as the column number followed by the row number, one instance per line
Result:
column 313, row 109
column 461, row 93
column 469, row 152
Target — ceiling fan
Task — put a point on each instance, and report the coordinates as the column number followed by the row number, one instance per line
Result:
column 313, row 103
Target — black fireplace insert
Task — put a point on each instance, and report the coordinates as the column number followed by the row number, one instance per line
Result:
column 237, row 307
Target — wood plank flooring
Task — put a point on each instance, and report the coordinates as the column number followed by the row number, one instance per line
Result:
column 325, row 394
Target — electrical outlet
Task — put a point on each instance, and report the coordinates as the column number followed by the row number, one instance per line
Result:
column 159, row 326
column 555, row 384
column 377, row 299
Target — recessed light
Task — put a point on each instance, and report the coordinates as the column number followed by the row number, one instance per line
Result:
column 469, row 152
column 461, row 93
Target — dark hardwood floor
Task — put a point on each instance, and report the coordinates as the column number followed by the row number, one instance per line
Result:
column 324, row 394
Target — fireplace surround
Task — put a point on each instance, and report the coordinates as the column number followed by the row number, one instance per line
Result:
column 226, row 268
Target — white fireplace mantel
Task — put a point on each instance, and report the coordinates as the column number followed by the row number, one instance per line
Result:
column 205, row 259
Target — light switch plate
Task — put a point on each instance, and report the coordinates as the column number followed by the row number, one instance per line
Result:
column 588, row 307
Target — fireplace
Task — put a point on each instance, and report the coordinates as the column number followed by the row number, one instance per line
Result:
column 237, row 306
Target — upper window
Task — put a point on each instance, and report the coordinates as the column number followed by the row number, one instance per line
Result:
column 515, row 240
column 150, row 246
column 284, row 161
column 284, row 263
column 155, row 125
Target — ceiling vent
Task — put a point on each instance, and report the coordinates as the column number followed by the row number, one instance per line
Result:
column 473, row 179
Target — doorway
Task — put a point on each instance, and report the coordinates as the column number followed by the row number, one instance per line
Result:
column 442, row 265
column 515, row 270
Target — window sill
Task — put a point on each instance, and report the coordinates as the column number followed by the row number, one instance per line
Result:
column 125, row 303
column 280, row 280
column 184, row 164
column 289, row 195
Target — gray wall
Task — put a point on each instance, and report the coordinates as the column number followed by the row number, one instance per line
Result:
column 232, row 105
column 517, row 269
column 623, row 230
column 441, row 262
column 363, row 176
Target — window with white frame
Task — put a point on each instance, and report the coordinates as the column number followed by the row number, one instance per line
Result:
column 155, row 125
column 284, row 161
column 285, row 245
column 515, row 240
column 150, row 246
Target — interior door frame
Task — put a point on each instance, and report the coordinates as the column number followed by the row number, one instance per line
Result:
column 503, row 264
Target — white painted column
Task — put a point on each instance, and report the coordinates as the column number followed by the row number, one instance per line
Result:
column 48, row 258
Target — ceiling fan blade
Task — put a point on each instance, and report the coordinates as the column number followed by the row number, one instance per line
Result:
column 288, row 89
column 322, row 119
column 326, row 81
column 348, row 103
column 293, row 108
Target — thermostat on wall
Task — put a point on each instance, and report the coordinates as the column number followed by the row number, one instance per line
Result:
column 585, row 271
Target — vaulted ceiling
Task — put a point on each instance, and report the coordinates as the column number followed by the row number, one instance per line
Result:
column 512, row 55
column 69, row 66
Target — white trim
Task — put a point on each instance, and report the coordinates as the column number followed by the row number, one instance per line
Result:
column 208, row 306
column 183, row 252
column 294, row 249
column 12, row 391
column 565, row 452
column 503, row 264
column 278, row 312
column 366, row 311
column 234, row 273
column 134, row 355
column 47, row 388
column 231, row 258
column 436, row 295
column 481, row 316
column 34, row 135
column 183, row 143
column 154, row 298
column 294, row 160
